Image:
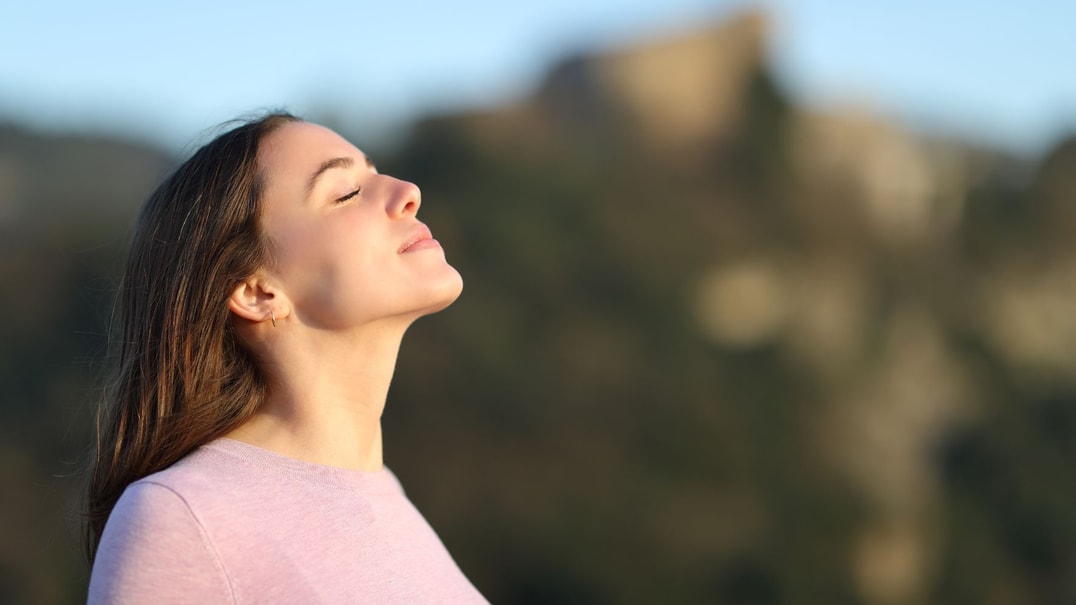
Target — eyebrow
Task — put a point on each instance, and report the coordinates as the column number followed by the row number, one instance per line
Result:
column 327, row 165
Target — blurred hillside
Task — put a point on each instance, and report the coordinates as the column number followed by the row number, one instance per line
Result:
column 714, row 347
column 66, row 203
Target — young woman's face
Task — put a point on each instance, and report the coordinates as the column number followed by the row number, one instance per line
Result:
column 346, row 246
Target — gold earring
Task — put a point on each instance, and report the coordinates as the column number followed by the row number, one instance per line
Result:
column 273, row 317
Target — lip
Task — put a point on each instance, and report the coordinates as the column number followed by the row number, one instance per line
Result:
column 420, row 238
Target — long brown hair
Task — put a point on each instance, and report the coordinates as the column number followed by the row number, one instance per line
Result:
column 182, row 377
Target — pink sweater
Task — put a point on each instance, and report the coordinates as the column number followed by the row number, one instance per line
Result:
column 233, row 523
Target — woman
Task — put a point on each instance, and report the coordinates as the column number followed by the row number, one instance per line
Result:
column 269, row 283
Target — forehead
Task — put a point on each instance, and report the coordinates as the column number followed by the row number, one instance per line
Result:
column 296, row 149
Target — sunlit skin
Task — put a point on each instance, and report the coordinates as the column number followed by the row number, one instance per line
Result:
column 351, row 268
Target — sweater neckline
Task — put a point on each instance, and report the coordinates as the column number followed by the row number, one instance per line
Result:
column 274, row 463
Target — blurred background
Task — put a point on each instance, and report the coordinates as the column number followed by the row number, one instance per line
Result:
column 767, row 302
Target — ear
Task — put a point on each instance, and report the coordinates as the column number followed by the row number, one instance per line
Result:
column 256, row 300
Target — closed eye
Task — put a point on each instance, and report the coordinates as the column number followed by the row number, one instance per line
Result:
column 349, row 196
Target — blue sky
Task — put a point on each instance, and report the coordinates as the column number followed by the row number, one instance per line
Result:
column 990, row 70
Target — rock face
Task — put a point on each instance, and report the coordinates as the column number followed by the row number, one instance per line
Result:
column 906, row 193
column 681, row 92
column 674, row 94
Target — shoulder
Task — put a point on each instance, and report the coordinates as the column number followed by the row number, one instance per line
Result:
column 146, row 512
column 152, row 545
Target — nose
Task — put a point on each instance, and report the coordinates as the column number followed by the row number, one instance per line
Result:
column 404, row 200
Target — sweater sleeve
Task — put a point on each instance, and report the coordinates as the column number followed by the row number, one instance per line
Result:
column 154, row 550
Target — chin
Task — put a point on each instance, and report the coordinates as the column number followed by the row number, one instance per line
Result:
column 444, row 293
column 452, row 291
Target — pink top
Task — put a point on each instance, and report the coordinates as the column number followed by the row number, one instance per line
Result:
column 234, row 523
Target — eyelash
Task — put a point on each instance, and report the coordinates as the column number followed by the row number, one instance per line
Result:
column 349, row 196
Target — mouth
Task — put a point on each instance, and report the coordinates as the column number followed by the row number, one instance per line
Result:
column 420, row 238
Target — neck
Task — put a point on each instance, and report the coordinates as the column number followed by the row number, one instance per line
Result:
column 326, row 396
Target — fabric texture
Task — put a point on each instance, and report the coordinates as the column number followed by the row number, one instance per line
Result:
column 234, row 523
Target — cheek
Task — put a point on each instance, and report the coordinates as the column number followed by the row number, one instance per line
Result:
column 307, row 244
column 332, row 274
column 295, row 251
